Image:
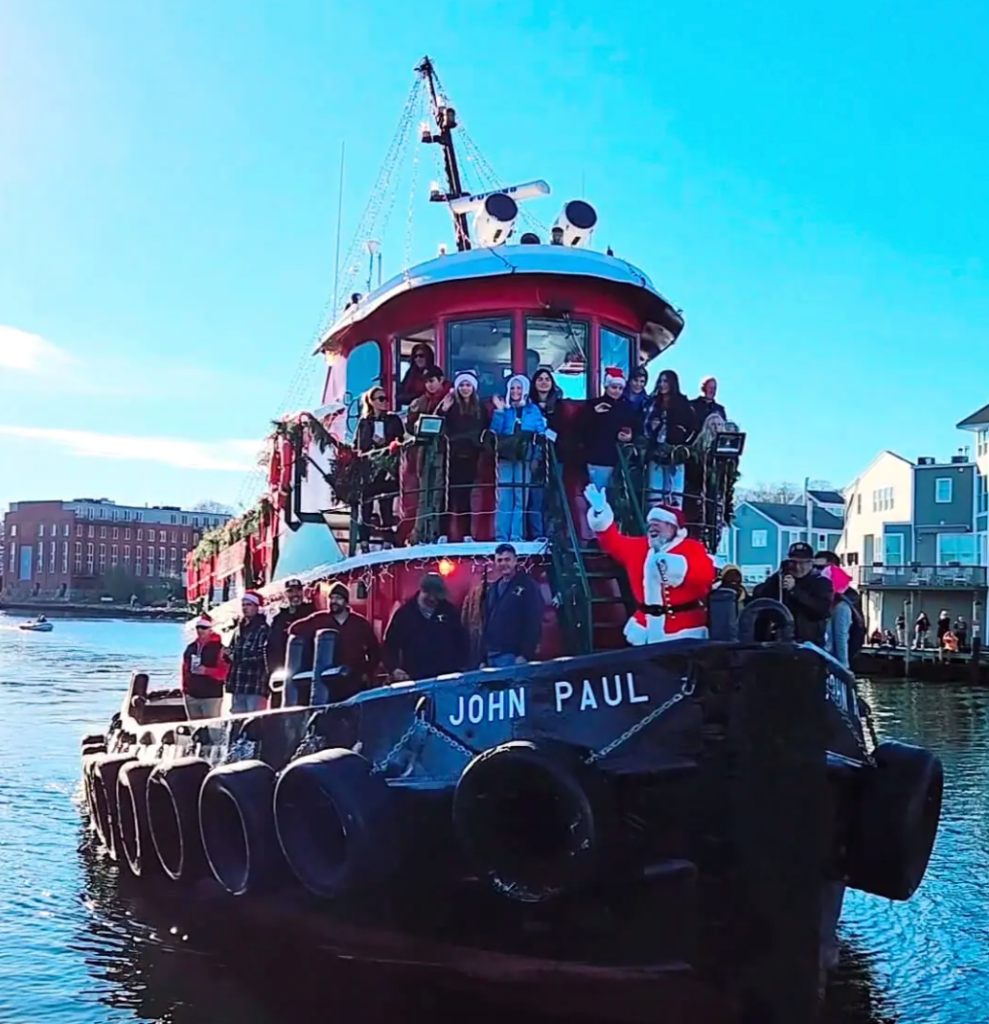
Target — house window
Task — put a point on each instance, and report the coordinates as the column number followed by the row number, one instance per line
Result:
column 759, row 538
column 13, row 558
column 116, row 532
column 942, row 490
column 89, row 558
column 127, row 557
column 185, row 520
column 13, row 529
column 65, row 556
column 65, row 529
column 185, row 537
column 79, row 530
column 102, row 558
column 51, row 556
column 113, row 556
column 484, row 346
column 41, row 529
column 102, row 533
column 140, row 536
column 127, row 533
column 957, row 547
column 893, row 549
column 41, row 558
column 77, row 560
column 983, row 493
column 822, row 542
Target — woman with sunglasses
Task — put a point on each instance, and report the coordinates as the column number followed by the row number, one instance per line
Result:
column 376, row 429
column 414, row 382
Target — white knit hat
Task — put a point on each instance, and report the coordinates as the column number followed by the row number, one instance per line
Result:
column 465, row 375
column 518, row 378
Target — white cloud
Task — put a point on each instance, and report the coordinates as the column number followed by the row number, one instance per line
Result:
column 234, row 456
column 30, row 353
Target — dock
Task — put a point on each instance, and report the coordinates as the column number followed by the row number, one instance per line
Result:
column 927, row 664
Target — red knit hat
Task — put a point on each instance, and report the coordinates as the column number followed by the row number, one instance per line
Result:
column 666, row 514
column 614, row 375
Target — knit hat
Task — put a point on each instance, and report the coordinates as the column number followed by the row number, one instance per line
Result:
column 432, row 583
column 433, row 373
column 518, row 378
column 465, row 375
column 203, row 622
column 339, row 590
column 666, row 514
column 614, row 375
column 253, row 597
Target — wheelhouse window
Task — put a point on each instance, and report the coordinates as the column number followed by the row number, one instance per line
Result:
column 408, row 344
column 562, row 346
column 347, row 380
column 616, row 350
column 484, row 346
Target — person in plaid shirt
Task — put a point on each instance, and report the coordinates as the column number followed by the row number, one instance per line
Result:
column 247, row 680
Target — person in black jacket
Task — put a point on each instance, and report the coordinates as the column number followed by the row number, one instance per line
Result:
column 670, row 425
column 706, row 403
column 425, row 637
column 513, row 613
column 606, row 422
column 297, row 608
column 803, row 590
column 378, row 429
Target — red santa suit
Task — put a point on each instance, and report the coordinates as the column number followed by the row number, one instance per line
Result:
column 670, row 583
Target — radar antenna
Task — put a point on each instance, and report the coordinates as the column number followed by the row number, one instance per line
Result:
column 446, row 120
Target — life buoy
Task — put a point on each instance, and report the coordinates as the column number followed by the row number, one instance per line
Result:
column 896, row 821
column 103, row 775
column 532, row 820
column 335, row 823
column 759, row 615
column 136, row 843
column 237, row 823
column 173, row 816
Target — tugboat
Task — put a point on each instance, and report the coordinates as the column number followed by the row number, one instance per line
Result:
column 600, row 820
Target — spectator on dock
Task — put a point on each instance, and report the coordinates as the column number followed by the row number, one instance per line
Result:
column 921, row 627
column 943, row 626
column 960, row 629
column 808, row 595
column 425, row 637
column 247, row 682
column 203, row 671
column 278, row 629
column 901, row 630
column 357, row 647
column 513, row 613
column 949, row 642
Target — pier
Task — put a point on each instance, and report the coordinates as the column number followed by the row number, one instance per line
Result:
column 928, row 664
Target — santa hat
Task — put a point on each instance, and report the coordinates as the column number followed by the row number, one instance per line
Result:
column 614, row 375
column 253, row 597
column 204, row 622
column 465, row 375
column 666, row 514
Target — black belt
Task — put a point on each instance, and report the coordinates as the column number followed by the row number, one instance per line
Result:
column 672, row 609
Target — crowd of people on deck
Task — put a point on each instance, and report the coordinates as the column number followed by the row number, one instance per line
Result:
column 951, row 636
column 524, row 423
column 499, row 624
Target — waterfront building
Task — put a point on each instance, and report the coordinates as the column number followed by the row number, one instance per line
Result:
column 978, row 424
column 75, row 550
column 910, row 539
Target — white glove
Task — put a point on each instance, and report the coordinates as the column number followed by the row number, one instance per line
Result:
column 596, row 498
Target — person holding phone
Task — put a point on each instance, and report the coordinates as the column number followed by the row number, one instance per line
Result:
column 808, row 594
column 377, row 429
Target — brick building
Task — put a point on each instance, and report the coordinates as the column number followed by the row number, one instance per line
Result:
column 72, row 550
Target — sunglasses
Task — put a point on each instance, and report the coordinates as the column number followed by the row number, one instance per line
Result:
column 377, row 398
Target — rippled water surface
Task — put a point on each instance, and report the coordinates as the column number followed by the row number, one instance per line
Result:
column 75, row 946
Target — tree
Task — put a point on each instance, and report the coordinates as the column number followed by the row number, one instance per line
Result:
column 213, row 508
column 781, row 493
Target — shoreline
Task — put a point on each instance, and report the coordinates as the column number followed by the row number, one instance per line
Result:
column 96, row 611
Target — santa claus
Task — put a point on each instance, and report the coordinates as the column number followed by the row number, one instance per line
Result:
column 670, row 573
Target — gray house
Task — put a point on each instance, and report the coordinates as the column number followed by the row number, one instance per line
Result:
column 764, row 530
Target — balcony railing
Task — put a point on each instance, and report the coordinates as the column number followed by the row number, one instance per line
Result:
column 922, row 576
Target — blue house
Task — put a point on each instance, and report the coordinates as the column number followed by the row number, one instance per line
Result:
column 763, row 532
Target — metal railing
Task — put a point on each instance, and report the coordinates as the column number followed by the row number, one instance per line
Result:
column 907, row 576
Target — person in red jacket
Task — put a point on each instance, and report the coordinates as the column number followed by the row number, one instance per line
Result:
column 670, row 573
column 357, row 648
column 204, row 672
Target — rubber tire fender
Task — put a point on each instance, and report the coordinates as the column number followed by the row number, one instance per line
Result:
column 134, row 831
column 237, row 826
column 336, row 823
column 103, row 774
column 173, row 816
column 896, row 821
column 759, row 608
column 88, row 786
column 515, row 801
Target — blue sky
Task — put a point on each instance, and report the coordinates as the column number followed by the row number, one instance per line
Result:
column 808, row 185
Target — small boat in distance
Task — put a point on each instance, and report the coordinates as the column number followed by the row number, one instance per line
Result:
column 39, row 625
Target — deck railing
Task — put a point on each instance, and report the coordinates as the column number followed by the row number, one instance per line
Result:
column 918, row 576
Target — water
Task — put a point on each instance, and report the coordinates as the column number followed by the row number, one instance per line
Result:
column 77, row 947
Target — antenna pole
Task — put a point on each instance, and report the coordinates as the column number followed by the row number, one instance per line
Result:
column 446, row 120
column 336, row 260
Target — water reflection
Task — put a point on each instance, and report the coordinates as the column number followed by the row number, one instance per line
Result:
column 81, row 945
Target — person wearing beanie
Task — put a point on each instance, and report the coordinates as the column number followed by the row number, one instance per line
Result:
column 435, row 389
column 465, row 420
column 247, row 680
column 203, row 672
column 607, row 422
column 357, row 650
column 295, row 608
column 425, row 637
column 669, row 573
column 517, row 423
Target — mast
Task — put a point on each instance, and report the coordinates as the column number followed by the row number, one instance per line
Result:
column 446, row 120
